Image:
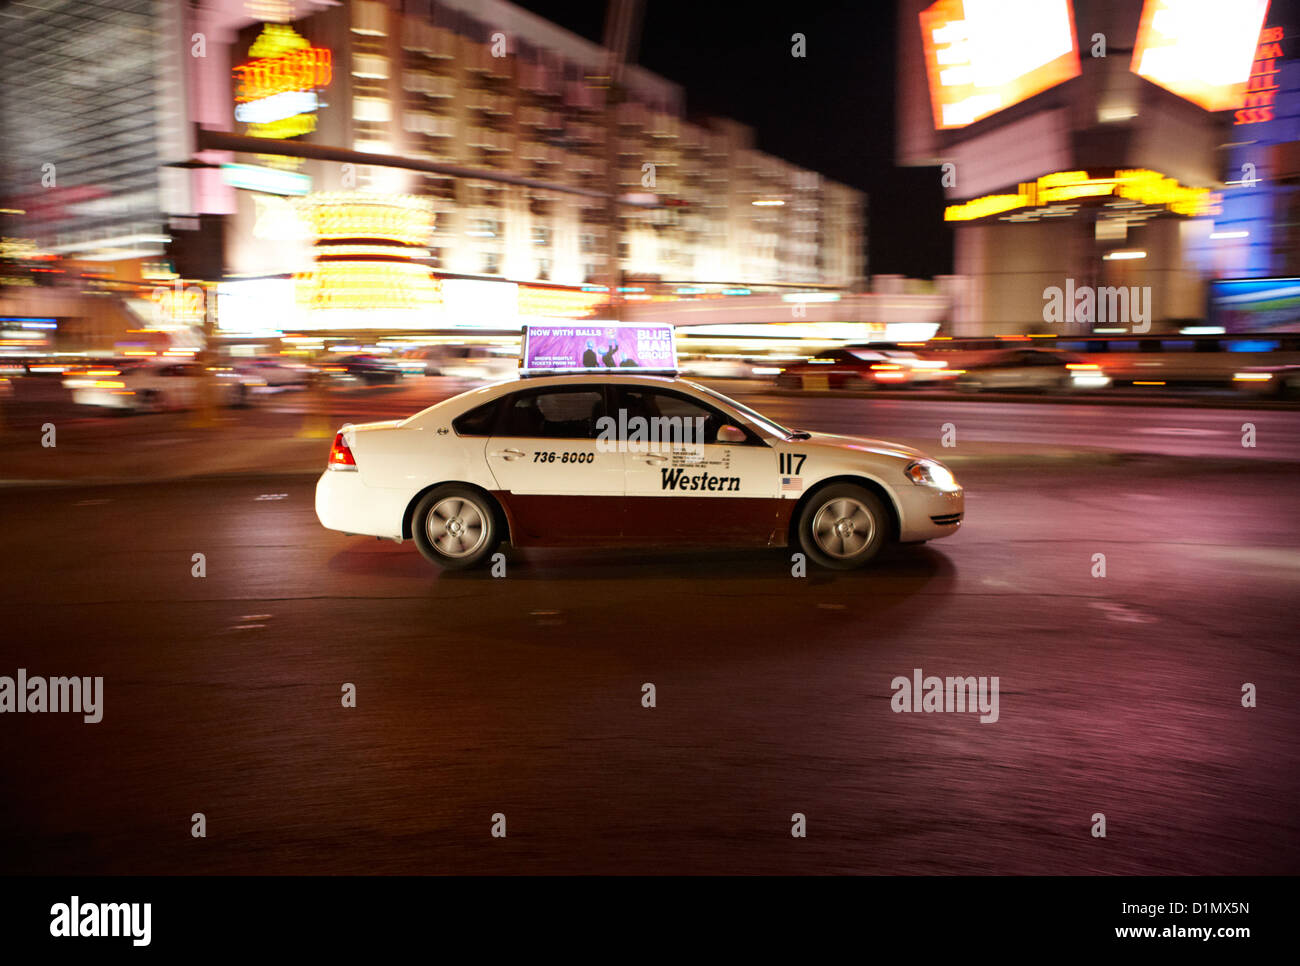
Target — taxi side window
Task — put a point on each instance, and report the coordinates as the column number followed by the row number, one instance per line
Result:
column 553, row 414
column 652, row 403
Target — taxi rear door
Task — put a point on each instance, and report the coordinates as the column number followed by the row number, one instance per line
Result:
column 561, row 485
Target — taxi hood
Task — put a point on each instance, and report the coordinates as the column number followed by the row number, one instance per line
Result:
column 863, row 444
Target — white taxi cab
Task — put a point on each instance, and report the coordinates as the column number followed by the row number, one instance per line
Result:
column 625, row 457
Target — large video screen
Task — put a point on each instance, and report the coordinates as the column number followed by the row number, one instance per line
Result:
column 1201, row 50
column 982, row 56
column 1256, row 304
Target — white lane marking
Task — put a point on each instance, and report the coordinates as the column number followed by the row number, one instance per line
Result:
column 249, row 622
column 1122, row 613
column 1178, row 431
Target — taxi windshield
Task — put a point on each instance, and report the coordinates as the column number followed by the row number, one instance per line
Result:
column 775, row 428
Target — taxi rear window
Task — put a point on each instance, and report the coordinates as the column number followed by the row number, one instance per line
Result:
column 552, row 414
column 478, row 421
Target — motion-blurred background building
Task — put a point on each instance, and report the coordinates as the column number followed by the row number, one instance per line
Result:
column 443, row 165
column 104, row 98
column 1108, row 144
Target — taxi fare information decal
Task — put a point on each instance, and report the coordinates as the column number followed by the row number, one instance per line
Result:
column 599, row 347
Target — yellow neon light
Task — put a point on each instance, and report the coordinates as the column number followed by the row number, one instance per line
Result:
column 558, row 303
column 983, row 207
column 1138, row 184
column 367, row 285
column 403, row 219
column 285, row 127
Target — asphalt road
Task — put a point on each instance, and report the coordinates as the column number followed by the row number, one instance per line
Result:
column 522, row 695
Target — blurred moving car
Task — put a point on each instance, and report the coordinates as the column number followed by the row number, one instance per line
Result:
column 716, row 367
column 1275, row 382
column 10, row 369
column 474, row 363
column 1034, row 369
column 862, row 368
column 153, row 386
column 274, row 374
column 368, row 369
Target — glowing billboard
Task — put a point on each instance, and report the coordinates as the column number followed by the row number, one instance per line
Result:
column 982, row 56
column 1201, row 50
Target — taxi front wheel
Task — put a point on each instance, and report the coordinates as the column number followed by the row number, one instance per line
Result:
column 843, row 526
column 455, row 527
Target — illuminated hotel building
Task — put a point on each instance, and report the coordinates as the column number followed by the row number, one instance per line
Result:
column 1091, row 144
column 486, row 85
column 113, row 94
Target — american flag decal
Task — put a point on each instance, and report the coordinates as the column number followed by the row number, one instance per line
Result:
column 791, row 483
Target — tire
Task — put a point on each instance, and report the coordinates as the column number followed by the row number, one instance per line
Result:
column 857, row 384
column 455, row 527
column 843, row 526
column 151, row 401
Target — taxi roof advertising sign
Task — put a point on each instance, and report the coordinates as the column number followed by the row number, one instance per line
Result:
column 599, row 347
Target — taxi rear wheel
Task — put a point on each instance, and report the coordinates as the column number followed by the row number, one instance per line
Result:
column 455, row 527
column 843, row 526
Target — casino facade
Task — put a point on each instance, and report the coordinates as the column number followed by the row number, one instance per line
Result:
column 1104, row 146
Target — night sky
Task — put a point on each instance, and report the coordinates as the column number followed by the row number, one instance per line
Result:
column 832, row 111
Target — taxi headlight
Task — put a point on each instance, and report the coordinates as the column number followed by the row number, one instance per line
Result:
column 932, row 474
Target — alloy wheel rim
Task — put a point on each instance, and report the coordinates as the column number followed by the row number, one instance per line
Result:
column 843, row 527
column 456, row 527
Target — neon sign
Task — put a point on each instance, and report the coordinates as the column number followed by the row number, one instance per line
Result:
column 275, row 93
column 541, row 302
column 365, row 249
column 398, row 219
column 1138, row 184
column 367, row 285
column 1261, row 90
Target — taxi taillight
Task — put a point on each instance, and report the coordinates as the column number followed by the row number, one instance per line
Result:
column 340, row 456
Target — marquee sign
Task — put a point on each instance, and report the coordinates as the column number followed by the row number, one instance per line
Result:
column 1144, row 187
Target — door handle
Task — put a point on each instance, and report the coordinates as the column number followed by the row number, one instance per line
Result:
column 510, row 454
column 655, row 459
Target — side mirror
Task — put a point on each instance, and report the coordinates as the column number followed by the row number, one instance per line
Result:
column 731, row 434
